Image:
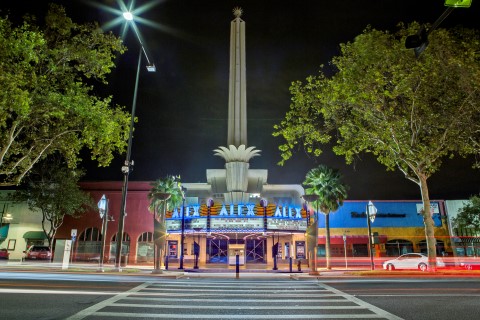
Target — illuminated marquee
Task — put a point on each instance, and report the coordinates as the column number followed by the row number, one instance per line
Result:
column 241, row 217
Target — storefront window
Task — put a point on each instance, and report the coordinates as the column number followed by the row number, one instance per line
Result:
column 145, row 247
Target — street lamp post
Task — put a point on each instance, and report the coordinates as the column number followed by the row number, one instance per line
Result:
column 128, row 164
column 371, row 212
column 182, row 237
column 103, row 208
column 345, row 248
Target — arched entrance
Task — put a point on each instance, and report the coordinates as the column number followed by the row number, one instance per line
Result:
column 145, row 248
column 89, row 245
column 125, row 246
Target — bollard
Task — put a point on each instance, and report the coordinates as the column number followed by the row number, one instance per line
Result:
column 290, row 264
column 299, row 265
column 166, row 262
column 237, row 266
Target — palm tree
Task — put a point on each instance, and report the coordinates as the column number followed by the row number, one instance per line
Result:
column 326, row 183
column 164, row 195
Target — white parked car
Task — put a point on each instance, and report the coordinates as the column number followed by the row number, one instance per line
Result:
column 417, row 261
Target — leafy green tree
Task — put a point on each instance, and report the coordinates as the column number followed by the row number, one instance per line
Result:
column 165, row 195
column 469, row 214
column 52, row 188
column 327, row 185
column 47, row 104
column 410, row 113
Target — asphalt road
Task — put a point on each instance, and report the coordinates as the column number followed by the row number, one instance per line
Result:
column 25, row 295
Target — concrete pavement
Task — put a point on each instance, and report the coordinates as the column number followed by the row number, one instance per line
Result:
column 210, row 270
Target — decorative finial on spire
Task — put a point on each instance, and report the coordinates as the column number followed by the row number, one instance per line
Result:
column 237, row 12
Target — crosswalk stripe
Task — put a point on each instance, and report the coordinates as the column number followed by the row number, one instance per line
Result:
column 253, row 290
column 236, row 300
column 251, row 294
column 235, row 316
column 169, row 306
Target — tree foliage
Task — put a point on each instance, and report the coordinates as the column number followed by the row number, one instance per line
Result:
column 171, row 185
column 327, row 184
column 469, row 214
column 159, row 205
column 410, row 113
column 47, row 104
column 52, row 188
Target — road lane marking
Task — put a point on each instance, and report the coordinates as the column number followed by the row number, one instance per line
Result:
column 94, row 309
column 43, row 291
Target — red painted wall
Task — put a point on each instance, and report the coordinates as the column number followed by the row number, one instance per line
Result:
column 138, row 220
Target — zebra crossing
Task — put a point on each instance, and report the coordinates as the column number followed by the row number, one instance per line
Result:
column 233, row 299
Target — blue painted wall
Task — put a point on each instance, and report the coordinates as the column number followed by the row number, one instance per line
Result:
column 389, row 214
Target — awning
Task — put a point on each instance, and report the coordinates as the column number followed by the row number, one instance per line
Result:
column 464, row 240
column 4, row 231
column 35, row 235
column 356, row 239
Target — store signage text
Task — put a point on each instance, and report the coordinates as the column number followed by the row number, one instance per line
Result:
column 378, row 215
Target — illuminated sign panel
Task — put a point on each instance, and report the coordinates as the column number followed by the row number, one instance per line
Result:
column 237, row 223
column 286, row 224
column 194, row 223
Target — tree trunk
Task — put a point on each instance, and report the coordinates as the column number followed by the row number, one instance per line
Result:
column 327, row 240
column 429, row 224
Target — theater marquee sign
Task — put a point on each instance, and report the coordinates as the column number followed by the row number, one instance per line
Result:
column 237, row 218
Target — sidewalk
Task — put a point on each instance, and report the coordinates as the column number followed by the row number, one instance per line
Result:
column 209, row 270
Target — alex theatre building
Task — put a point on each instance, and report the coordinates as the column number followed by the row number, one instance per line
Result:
column 251, row 230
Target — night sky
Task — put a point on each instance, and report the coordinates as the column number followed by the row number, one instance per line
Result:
column 182, row 108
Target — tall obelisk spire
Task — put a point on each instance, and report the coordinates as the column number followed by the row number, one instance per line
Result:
column 237, row 99
column 237, row 155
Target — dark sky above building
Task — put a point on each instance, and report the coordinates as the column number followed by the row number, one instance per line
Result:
column 182, row 108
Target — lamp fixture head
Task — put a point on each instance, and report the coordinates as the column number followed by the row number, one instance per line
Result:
column 128, row 15
column 151, row 68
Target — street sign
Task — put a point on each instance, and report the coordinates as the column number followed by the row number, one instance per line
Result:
column 73, row 233
column 458, row 3
column 371, row 211
column 102, row 206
